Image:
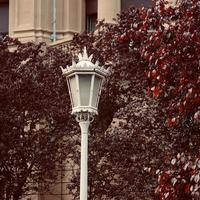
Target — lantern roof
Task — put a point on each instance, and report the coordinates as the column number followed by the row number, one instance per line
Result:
column 85, row 64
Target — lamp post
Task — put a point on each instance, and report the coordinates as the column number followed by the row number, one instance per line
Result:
column 84, row 83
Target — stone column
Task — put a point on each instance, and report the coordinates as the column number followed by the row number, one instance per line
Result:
column 108, row 9
column 74, row 17
column 21, row 19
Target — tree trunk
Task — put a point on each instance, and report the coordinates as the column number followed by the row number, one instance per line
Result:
column 17, row 194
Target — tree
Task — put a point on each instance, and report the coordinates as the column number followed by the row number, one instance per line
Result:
column 172, row 52
column 34, row 117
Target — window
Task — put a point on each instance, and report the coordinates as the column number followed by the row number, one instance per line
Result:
column 125, row 4
column 91, row 21
column 4, row 8
column 60, row 189
column 91, row 15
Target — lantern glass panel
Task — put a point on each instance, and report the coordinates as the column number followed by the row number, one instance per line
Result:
column 96, row 90
column 74, row 91
column 84, row 85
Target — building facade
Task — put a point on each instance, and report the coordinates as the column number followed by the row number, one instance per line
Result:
column 33, row 20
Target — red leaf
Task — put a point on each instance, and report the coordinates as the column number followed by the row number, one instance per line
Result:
column 154, row 73
column 187, row 189
column 171, row 121
column 156, row 91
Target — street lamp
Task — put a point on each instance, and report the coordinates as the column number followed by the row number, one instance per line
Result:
column 84, row 83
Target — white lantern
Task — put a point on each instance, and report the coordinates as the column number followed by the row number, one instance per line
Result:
column 84, row 83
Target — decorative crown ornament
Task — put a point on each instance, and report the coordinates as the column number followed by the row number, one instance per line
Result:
column 84, row 56
column 85, row 62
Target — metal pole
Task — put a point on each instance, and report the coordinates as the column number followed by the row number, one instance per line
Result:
column 84, row 125
column 54, row 20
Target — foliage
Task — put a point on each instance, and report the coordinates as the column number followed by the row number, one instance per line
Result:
column 172, row 52
column 181, row 181
column 129, row 146
column 34, row 117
